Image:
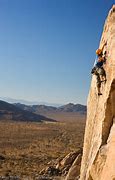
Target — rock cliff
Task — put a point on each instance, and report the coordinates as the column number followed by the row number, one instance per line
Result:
column 98, row 161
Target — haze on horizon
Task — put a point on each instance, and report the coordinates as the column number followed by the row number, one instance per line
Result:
column 47, row 48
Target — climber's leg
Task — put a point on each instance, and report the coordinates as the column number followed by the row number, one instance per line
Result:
column 102, row 74
column 98, row 84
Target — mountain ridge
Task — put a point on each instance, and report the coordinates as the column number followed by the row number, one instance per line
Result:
column 27, row 102
column 70, row 107
column 11, row 112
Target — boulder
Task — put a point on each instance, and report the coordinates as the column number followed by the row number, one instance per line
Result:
column 51, row 171
column 74, row 171
column 2, row 158
column 69, row 159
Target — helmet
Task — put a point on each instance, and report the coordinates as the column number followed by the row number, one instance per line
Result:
column 98, row 51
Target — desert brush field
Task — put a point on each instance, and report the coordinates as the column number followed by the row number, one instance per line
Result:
column 27, row 147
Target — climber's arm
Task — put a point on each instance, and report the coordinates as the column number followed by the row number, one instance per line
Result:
column 103, row 46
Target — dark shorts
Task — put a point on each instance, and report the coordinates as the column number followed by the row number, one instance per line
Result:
column 100, row 71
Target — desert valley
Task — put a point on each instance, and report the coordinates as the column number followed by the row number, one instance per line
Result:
column 29, row 147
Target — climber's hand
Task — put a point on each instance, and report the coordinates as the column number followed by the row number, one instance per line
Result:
column 105, row 43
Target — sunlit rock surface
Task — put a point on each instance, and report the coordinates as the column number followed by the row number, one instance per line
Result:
column 98, row 161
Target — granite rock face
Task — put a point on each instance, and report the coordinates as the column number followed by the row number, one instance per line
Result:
column 98, row 161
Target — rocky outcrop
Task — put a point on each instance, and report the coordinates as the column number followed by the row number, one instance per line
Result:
column 74, row 171
column 68, row 167
column 69, row 159
column 98, row 161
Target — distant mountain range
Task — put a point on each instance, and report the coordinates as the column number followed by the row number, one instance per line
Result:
column 42, row 109
column 36, row 113
column 22, row 101
column 15, row 113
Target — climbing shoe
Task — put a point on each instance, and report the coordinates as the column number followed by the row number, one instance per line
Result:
column 104, row 80
column 99, row 94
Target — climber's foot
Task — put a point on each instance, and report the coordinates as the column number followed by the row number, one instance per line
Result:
column 104, row 80
column 99, row 94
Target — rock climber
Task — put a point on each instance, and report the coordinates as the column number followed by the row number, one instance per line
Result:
column 98, row 69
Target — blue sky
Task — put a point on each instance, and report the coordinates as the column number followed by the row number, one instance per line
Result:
column 47, row 48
